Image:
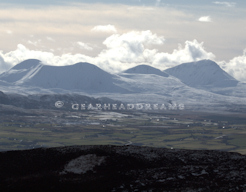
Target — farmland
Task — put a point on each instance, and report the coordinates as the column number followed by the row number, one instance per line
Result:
column 170, row 129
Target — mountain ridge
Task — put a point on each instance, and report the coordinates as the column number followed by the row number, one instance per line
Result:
column 80, row 76
column 146, row 69
column 20, row 70
column 147, row 85
column 202, row 74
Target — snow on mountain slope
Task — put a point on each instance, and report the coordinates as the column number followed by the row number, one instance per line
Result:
column 21, row 70
column 146, row 69
column 81, row 76
column 149, row 83
column 30, row 63
column 238, row 91
column 139, row 84
column 154, row 88
column 202, row 74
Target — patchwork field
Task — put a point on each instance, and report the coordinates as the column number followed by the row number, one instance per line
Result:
column 186, row 130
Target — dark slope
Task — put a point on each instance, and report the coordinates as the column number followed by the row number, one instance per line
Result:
column 121, row 168
column 47, row 101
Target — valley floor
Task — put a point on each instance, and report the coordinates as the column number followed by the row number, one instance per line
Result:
column 28, row 129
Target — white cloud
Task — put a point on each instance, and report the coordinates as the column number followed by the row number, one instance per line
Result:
column 50, row 39
column 122, row 52
column 22, row 53
column 35, row 43
column 143, row 8
column 205, row 19
column 192, row 51
column 73, row 23
column 134, row 39
column 9, row 32
column 84, row 46
column 236, row 67
column 105, row 28
column 130, row 47
column 157, row 3
column 224, row 3
column 4, row 65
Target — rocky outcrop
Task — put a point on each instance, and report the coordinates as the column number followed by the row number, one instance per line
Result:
column 121, row 168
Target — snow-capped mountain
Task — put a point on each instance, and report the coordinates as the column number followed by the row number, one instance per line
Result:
column 197, row 83
column 81, row 76
column 202, row 74
column 21, row 71
column 146, row 69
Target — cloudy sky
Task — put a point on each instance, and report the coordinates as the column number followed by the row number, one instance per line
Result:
column 119, row 34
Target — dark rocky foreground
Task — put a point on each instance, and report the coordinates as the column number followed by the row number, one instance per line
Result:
column 121, row 168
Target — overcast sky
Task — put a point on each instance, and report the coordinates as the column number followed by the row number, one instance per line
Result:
column 119, row 34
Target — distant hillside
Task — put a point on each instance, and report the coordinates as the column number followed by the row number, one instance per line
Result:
column 47, row 101
column 202, row 74
column 21, row 70
column 81, row 76
column 146, row 69
column 193, row 84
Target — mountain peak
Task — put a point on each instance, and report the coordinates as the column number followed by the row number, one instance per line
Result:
column 146, row 69
column 203, row 63
column 202, row 74
column 27, row 64
column 21, row 70
column 85, row 67
column 84, row 77
column 84, row 64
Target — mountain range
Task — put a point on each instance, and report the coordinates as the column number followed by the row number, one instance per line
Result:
column 81, row 76
column 202, row 82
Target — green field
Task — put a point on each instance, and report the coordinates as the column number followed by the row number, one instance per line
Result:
column 149, row 130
